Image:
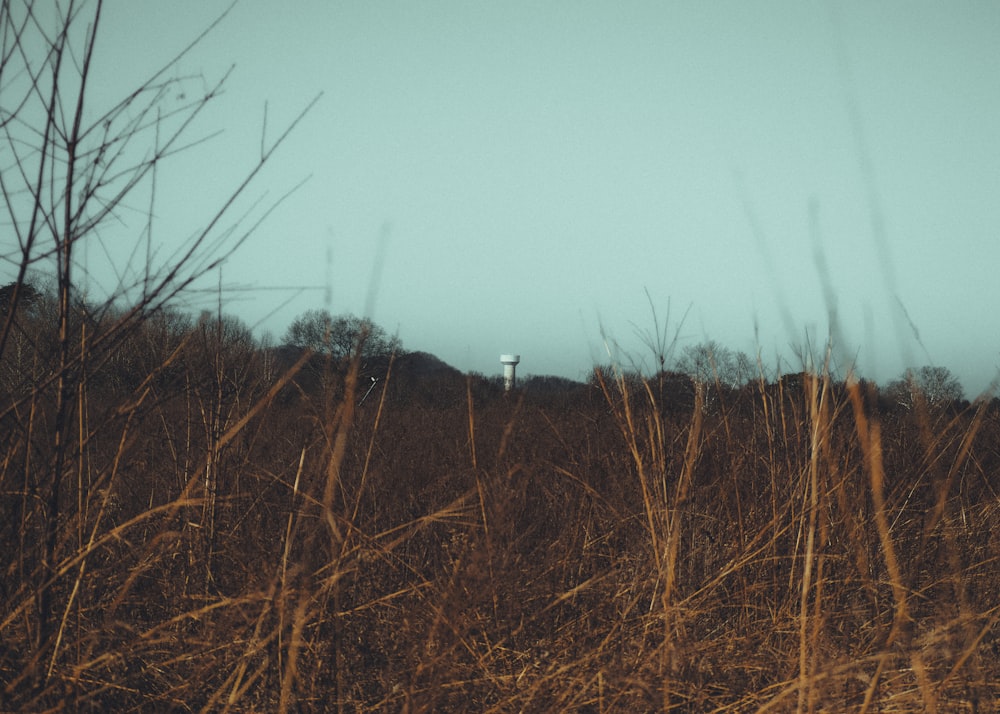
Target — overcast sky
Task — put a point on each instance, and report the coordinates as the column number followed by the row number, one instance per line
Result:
column 490, row 177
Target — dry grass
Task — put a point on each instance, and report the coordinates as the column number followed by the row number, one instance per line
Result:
column 190, row 522
column 788, row 548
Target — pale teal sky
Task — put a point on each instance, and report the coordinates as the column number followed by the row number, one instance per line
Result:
column 535, row 167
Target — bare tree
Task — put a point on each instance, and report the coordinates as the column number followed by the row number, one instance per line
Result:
column 937, row 386
column 340, row 336
column 68, row 169
column 711, row 363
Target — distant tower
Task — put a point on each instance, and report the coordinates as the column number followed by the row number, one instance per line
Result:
column 509, row 362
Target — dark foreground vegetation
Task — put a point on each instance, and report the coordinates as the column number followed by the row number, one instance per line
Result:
column 193, row 521
column 219, row 526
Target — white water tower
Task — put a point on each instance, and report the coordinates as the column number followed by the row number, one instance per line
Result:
column 509, row 362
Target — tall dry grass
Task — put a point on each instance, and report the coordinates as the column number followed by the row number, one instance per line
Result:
column 193, row 522
column 229, row 540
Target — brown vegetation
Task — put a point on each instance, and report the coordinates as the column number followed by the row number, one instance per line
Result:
column 192, row 522
column 233, row 533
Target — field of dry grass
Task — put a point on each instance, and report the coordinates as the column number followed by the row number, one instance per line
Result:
column 231, row 531
column 190, row 521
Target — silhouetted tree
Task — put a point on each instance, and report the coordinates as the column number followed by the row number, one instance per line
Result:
column 340, row 336
column 23, row 294
column 709, row 363
column 936, row 385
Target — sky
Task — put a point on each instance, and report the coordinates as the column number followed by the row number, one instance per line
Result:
column 539, row 177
